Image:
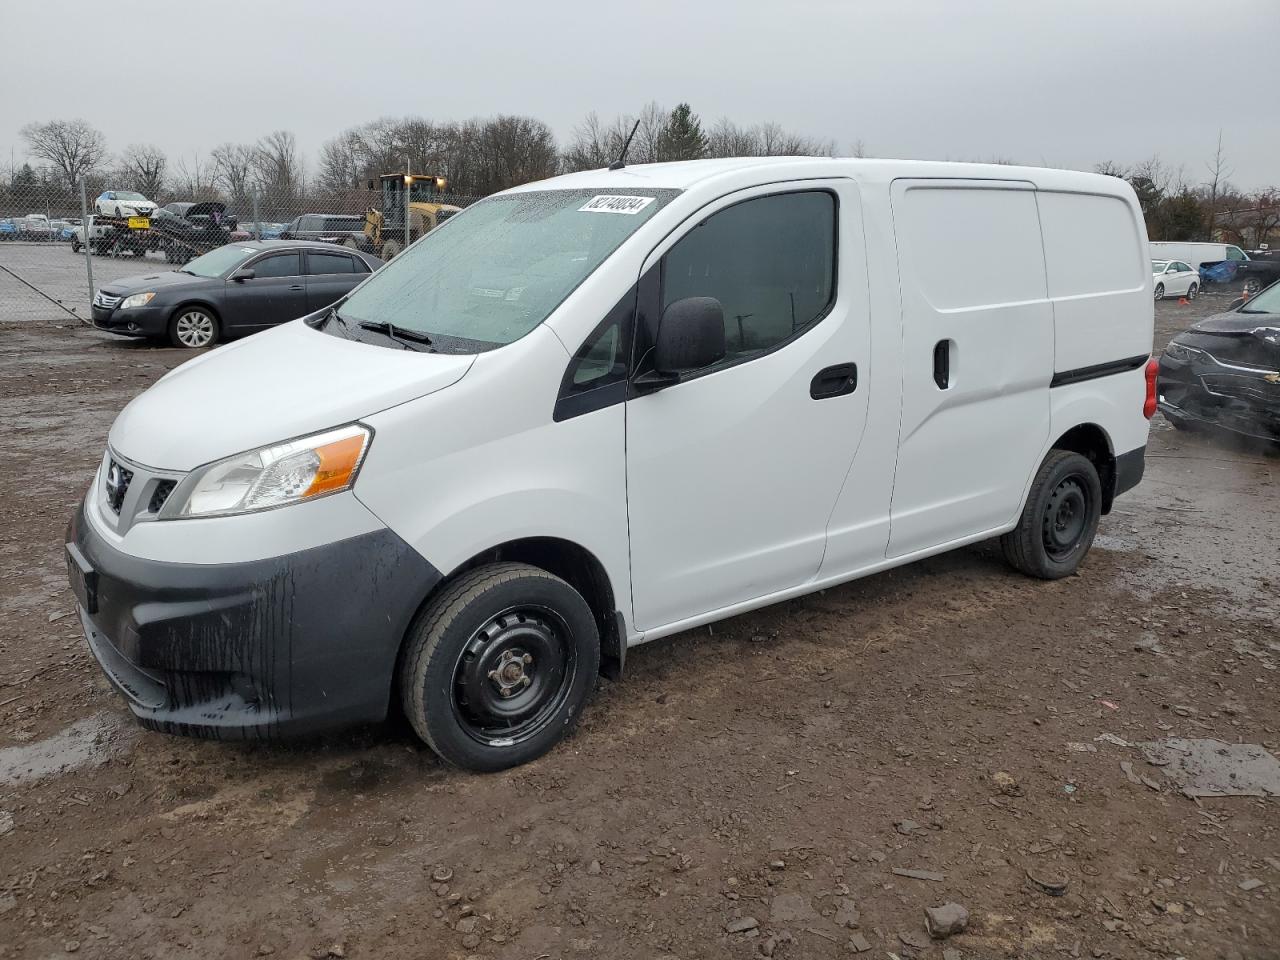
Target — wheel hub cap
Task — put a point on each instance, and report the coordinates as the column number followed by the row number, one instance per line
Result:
column 509, row 676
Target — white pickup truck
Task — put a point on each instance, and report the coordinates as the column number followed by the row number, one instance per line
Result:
column 98, row 235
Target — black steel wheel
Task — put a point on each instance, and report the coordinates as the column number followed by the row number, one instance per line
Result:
column 1060, row 518
column 498, row 666
column 1065, row 517
column 513, row 674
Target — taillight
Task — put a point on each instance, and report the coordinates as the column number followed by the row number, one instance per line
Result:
column 1149, row 405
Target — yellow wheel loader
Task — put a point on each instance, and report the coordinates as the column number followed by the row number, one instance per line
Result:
column 410, row 206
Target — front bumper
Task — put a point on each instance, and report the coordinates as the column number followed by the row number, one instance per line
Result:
column 1235, row 398
column 136, row 322
column 289, row 645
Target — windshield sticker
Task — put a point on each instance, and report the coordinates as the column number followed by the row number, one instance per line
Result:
column 608, row 203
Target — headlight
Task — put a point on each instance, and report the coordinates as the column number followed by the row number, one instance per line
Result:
column 1181, row 352
column 137, row 300
column 273, row 476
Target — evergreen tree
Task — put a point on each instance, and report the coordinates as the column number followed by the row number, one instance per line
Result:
column 682, row 137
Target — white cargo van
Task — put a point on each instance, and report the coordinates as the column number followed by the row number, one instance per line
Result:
column 1196, row 254
column 605, row 408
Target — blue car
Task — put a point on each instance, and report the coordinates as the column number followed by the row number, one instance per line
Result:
column 8, row 230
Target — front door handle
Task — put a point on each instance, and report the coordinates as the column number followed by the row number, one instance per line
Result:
column 296, row 286
column 834, row 381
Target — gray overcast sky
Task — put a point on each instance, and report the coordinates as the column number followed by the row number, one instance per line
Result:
column 1061, row 84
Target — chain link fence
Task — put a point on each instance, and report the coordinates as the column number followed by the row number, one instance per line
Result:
column 59, row 245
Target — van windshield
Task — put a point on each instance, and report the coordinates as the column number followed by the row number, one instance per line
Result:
column 492, row 273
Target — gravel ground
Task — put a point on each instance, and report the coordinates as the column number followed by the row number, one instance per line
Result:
column 60, row 279
column 750, row 789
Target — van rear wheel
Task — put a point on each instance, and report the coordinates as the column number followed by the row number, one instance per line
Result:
column 497, row 668
column 1060, row 520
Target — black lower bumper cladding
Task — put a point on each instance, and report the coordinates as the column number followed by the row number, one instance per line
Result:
column 1241, row 397
column 288, row 645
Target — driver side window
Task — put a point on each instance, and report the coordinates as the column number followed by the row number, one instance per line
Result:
column 769, row 261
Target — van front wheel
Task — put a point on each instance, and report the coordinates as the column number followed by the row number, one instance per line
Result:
column 1060, row 520
column 498, row 667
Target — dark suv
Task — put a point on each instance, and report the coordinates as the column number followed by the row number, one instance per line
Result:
column 324, row 227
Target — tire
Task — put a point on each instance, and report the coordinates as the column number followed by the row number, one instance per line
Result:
column 390, row 248
column 1252, row 287
column 1159, row 291
column 193, row 328
column 1193, row 291
column 118, row 211
column 497, row 668
column 1060, row 520
column 75, row 245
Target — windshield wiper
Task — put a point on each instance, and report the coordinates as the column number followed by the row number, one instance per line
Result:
column 398, row 334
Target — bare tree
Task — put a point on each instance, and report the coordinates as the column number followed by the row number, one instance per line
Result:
column 594, row 145
column 73, row 146
column 277, row 167
column 1219, row 172
column 144, row 164
column 194, row 178
column 232, row 167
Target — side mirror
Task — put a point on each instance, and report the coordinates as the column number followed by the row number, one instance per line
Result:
column 244, row 273
column 690, row 335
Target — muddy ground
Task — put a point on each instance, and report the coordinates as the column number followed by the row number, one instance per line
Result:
column 773, row 770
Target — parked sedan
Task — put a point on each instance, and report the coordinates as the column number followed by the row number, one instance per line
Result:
column 1225, row 370
column 236, row 289
column 1173, row 278
column 124, row 203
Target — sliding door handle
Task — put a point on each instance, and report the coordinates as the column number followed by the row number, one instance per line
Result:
column 942, row 364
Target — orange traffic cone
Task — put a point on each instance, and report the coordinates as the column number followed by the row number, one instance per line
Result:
column 1183, row 301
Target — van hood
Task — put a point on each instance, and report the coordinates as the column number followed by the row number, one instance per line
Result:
column 272, row 386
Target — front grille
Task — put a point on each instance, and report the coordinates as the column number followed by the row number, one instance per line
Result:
column 1241, row 387
column 106, row 301
column 116, row 484
column 160, row 494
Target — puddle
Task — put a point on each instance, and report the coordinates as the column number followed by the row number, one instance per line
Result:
column 87, row 742
column 1211, row 768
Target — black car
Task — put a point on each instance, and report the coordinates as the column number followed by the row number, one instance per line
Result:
column 237, row 289
column 186, row 229
column 1225, row 370
column 325, row 227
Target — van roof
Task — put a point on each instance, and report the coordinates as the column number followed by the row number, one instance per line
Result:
column 686, row 174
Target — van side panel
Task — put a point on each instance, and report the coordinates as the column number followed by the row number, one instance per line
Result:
column 1099, row 279
column 972, row 275
column 858, row 529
